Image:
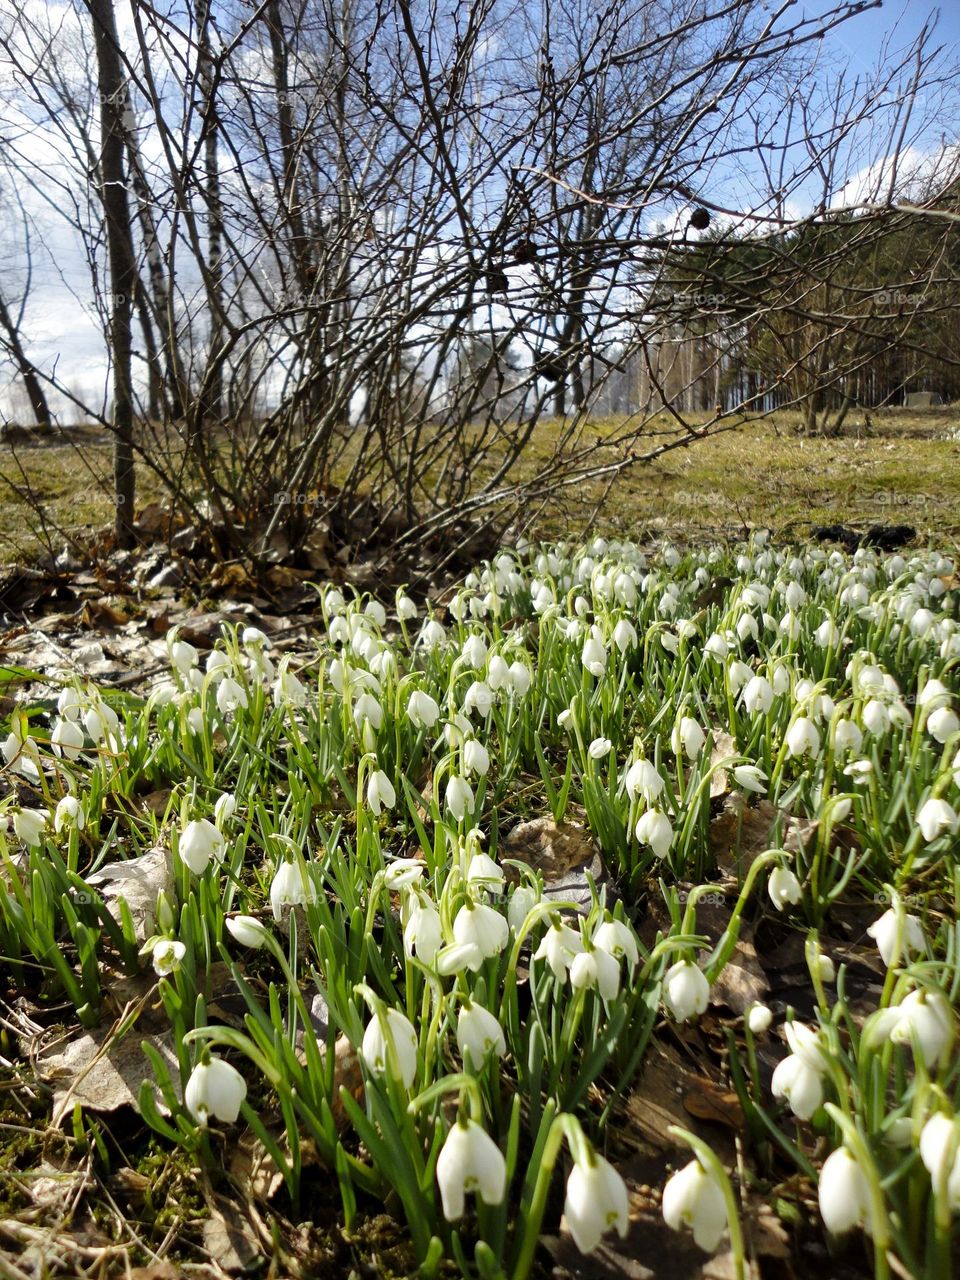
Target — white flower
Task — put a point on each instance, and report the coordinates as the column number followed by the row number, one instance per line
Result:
column 783, row 887
column 479, row 698
column 798, row 1078
column 288, row 689
column 403, row 872
column 69, row 813
column 928, row 1016
column 716, row 646
column 367, row 708
column 686, row 991
column 498, row 673
column 291, row 887
column 594, row 656
column 934, row 694
column 803, row 738
column 934, row 817
column 247, row 930
column 654, row 829
column 759, row 1019
column 469, row 1161
column 739, row 675
column 559, row 945
column 66, row 739
column 643, row 779
column 100, row 721
column 847, row 736
column 827, row 634
column 224, row 809
column 484, row 873
column 70, row 703
column 896, row 940
column 625, row 635
column 688, row 737
column 406, row 609
column 215, row 1088
column 942, row 724
column 183, row 656
column 479, row 1033
column 617, row 939
column 459, row 797
column 482, row 926
column 751, row 778
column 29, row 825
column 596, row 968
column 167, row 956
column 476, row 758
column 380, row 792
column 522, row 901
column 200, row 842
column 390, row 1045
column 692, row 1198
column 474, row 651
column 875, row 717
column 757, row 696
column 599, row 748
column 520, row 677
column 230, row 695
column 940, row 1153
column 596, row 1201
column 422, row 932
column 844, row 1193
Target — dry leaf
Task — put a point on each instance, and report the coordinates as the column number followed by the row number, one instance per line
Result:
column 724, row 746
column 103, row 1073
column 139, row 882
column 710, row 1101
column 563, row 853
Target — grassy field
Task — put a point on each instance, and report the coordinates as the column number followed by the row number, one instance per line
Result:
column 901, row 469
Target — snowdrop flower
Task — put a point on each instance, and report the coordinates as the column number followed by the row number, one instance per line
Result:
column 686, row 991
column 474, row 651
column 921, row 623
column 389, row 1046
column 827, row 635
column 66, row 739
column 559, row 946
column 875, row 717
column 100, row 721
column 469, row 1161
column 291, row 887
column 625, row 636
column 934, row 695
column 70, row 703
column 483, row 873
column 230, row 695
column 380, row 792
column 826, row 969
column 739, row 675
column 247, row 930
column 479, row 698
column 783, row 887
column 803, row 738
column 750, row 778
column 520, row 677
column 167, row 956
column 375, row 610
column 200, row 842
column 940, row 1153
column 476, row 758
column 483, row 927
column 288, row 690
column 406, row 609
column 522, row 901
column 498, row 673
column 934, row 817
column 653, row 828
column 759, row 1019
column 183, row 656
column 367, row 708
column 692, row 1198
column 618, row 940
column 942, row 724
column 898, row 936
column 688, row 737
column 847, row 736
column 757, row 696
column 403, row 872
column 596, row 1201
column 747, row 628
column 927, row 1016
column 844, row 1193
column 69, row 813
column 422, row 932
column 459, row 797
column 642, row 779
column 422, row 710
column 479, row 1034
column 596, row 968
column 215, row 1088
column 798, row 1078
column 224, row 809
column 594, row 657
column 716, row 646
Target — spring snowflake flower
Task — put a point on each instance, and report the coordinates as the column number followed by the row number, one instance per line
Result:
column 215, row 1088
column 692, row 1198
column 596, row 1202
column 390, row 1047
column 844, row 1193
column 469, row 1161
column 686, row 991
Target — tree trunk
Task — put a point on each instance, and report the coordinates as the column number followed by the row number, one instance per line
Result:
column 31, row 380
column 116, row 209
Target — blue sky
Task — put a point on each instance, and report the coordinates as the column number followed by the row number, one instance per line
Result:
column 898, row 21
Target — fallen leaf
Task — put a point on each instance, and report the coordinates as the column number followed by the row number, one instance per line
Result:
column 707, row 1100
column 139, row 882
column 102, row 1072
column 563, row 853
